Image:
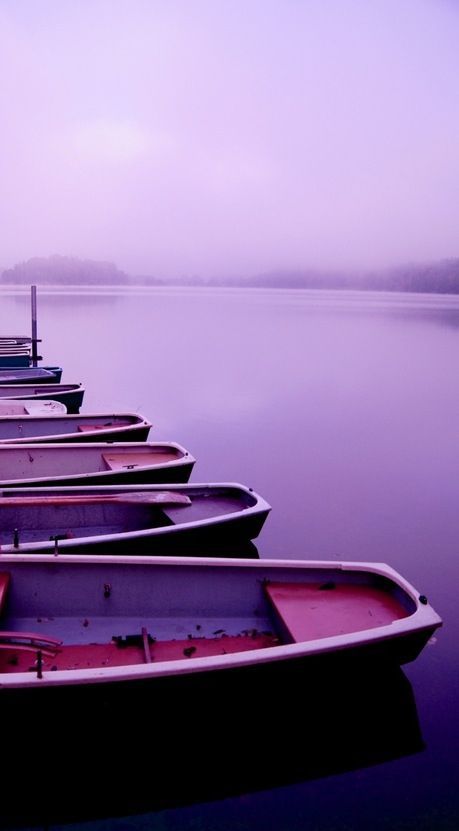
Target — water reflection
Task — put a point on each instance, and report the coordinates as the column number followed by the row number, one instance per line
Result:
column 62, row 299
column 201, row 743
column 243, row 549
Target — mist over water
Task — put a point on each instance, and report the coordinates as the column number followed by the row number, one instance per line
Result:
column 240, row 138
column 341, row 409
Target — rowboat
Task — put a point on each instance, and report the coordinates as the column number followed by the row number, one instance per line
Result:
column 15, row 340
column 14, row 407
column 72, row 621
column 69, row 394
column 88, row 427
column 30, row 375
column 129, row 518
column 15, row 351
column 101, row 463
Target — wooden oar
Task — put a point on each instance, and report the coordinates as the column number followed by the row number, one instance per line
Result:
column 136, row 498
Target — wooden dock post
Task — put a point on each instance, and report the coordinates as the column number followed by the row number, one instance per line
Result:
column 33, row 292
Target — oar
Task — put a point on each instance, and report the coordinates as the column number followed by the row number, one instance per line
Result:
column 136, row 498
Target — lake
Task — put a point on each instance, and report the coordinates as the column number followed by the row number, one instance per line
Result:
column 342, row 410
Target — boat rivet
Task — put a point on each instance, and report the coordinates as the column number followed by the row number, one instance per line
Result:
column 423, row 599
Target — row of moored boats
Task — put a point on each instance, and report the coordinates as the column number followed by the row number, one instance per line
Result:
column 115, row 568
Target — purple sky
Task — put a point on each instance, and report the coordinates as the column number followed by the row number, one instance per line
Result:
column 220, row 137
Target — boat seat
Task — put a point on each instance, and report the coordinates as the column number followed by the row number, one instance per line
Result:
column 118, row 461
column 308, row 611
column 287, row 599
column 127, row 461
column 5, row 578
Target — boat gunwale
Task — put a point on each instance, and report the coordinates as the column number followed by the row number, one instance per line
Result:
column 56, row 388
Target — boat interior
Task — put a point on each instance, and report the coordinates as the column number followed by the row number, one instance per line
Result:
column 15, row 428
column 16, row 407
column 26, row 375
column 106, row 514
column 110, row 622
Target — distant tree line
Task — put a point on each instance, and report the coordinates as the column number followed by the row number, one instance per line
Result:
column 64, row 271
column 441, row 277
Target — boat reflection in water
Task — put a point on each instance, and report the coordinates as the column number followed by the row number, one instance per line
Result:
column 129, row 753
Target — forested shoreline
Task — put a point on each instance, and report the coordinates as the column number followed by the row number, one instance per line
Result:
column 440, row 277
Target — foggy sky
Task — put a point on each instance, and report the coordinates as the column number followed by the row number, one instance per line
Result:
column 220, row 137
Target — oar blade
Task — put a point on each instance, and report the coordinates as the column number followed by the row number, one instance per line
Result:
column 136, row 498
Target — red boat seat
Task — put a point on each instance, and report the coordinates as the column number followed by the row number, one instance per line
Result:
column 308, row 611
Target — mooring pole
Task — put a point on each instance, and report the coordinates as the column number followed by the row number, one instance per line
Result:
column 33, row 291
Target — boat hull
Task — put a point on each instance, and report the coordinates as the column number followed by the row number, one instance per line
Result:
column 19, row 359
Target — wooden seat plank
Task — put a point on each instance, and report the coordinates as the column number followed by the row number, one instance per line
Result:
column 310, row 610
column 120, row 461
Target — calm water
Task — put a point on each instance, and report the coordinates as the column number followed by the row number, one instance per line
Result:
column 342, row 410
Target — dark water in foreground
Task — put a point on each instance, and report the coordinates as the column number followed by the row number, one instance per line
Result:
column 342, row 410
